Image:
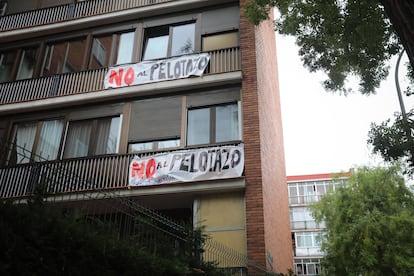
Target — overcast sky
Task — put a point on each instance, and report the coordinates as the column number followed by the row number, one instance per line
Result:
column 325, row 132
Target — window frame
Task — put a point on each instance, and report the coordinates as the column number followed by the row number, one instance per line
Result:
column 19, row 54
column 34, row 156
column 155, row 144
column 210, row 35
column 93, row 137
column 212, row 122
column 167, row 30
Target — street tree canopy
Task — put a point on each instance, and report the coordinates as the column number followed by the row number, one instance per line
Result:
column 369, row 225
column 352, row 38
column 341, row 38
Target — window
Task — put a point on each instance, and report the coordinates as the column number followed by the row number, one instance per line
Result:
column 27, row 64
column 125, row 48
column 3, row 8
column 155, row 124
column 154, row 145
column 220, row 41
column 64, row 57
column 308, row 239
column 307, row 267
column 38, row 141
column 213, row 124
column 101, row 52
column 17, row 64
column 92, row 137
column 7, row 60
column 301, row 218
column 164, row 41
column 111, row 49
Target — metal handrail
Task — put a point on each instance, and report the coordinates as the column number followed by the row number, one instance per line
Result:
column 221, row 61
column 68, row 12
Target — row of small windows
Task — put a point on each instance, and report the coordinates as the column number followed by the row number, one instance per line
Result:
column 308, row 192
column 64, row 138
column 97, row 51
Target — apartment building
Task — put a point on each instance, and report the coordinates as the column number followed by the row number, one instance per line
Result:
column 307, row 234
column 170, row 103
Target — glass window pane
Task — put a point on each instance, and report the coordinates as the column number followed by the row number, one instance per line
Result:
column 49, row 140
column 198, row 128
column 24, row 139
column 299, row 241
column 27, row 64
column 137, row 147
column 6, row 65
column 175, row 143
column 220, row 41
column 156, row 47
column 125, row 48
column 311, row 269
column 183, row 39
column 78, row 137
column 227, row 123
column 54, row 59
column 101, row 52
column 107, row 136
column 74, row 56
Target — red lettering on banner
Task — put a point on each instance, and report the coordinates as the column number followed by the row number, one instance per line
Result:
column 129, row 76
column 137, row 169
column 148, row 168
column 151, row 168
column 116, row 77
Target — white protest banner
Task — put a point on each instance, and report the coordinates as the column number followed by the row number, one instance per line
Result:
column 157, row 70
column 187, row 165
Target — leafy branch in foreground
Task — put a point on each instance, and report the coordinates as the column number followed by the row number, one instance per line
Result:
column 340, row 38
column 394, row 141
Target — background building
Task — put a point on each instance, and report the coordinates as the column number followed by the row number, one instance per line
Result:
column 75, row 108
column 307, row 234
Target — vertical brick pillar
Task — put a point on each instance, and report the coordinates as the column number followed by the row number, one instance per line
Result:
column 267, row 210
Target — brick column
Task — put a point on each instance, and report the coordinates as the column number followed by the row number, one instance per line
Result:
column 267, row 210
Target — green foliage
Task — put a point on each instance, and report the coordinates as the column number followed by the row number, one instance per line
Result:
column 392, row 141
column 38, row 240
column 369, row 225
column 340, row 38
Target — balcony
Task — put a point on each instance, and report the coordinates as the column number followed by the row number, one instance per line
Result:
column 221, row 61
column 120, row 171
column 69, row 12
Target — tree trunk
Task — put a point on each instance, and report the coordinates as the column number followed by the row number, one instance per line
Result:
column 401, row 14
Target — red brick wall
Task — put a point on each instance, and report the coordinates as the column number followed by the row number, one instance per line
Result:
column 267, row 211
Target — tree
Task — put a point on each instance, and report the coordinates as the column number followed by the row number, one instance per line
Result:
column 37, row 239
column 350, row 37
column 341, row 38
column 369, row 225
column 392, row 141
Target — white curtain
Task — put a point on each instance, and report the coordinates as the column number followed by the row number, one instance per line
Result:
column 77, row 141
column 107, row 136
column 25, row 135
column 49, row 140
column 104, row 126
